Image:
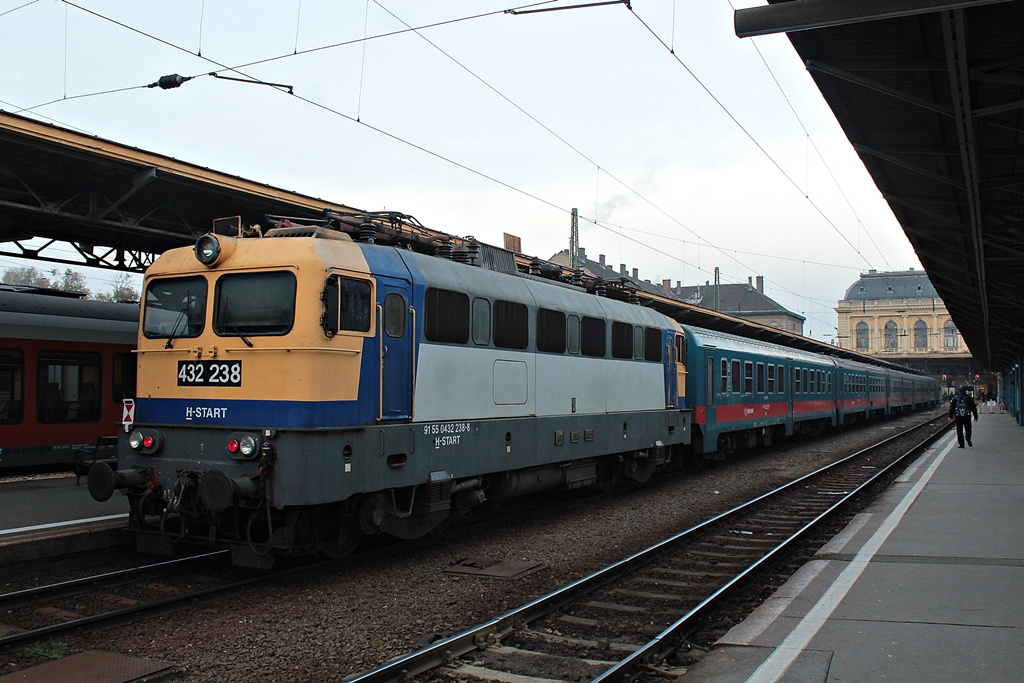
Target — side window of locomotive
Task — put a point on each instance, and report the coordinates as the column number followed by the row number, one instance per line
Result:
column 511, row 325
column 68, row 387
column 592, row 339
column 748, row 377
column 638, row 343
column 759, row 378
column 652, row 346
column 263, row 304
column 175, row 307
column 550, row 331
column 394, row 315
column 123, row 383
column 446, row 316
column 771, row 379
column 723, row 387
column 12, row 386
column 572, row 333
column 481, row 321
column 736, row 379
column 622, row 340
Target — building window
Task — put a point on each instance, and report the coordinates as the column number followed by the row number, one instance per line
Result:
column 892, row 334
column 920, row 335
column 949, row 335
column 862, row 335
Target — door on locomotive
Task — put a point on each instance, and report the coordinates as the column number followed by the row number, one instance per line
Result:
column 396, row 331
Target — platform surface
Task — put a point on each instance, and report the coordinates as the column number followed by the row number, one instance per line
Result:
column 926, row 585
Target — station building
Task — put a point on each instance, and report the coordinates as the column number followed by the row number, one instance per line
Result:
column 900, row 317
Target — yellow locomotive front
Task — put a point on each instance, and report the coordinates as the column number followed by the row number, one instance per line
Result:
column 251, row 352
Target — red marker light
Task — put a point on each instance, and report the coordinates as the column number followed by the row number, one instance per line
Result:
column 147, row 441
column 233, row 446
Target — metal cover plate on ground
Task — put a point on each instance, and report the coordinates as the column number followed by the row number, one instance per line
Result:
column 94, row 667
column 489, row 566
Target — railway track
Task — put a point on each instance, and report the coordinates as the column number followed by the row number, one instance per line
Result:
column 634, row 618
column 111, row 598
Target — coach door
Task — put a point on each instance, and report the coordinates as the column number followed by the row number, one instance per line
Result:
column 396, row 331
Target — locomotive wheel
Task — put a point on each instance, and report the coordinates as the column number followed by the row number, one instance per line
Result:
column 337, row 534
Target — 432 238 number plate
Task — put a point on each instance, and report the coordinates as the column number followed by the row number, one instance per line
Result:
column 209, row 373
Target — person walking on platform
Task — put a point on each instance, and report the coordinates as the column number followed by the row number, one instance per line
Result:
column 961, row 407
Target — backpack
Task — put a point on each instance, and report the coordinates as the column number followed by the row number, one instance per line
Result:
column 960, row 406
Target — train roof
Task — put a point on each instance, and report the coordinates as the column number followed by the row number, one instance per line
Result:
column 34, row 313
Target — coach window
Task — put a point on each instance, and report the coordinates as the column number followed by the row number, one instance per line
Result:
column 796, row 381
column 550, row 331
column 723, row 387
column 748, row 377
column 12, row 386
column 123, row 385
column 736, row 378
column 394, row 315
column 771, row 379
column 263, row 304
column 481, row 321
column 572, row 333
column 780, row 377
column 652, row 346
column 813, row 386
column 622, row 340
column 511, row 325
column 175, row 307
column 592, row 338
column 68, row 387
column 759, row 377
column 445, row 316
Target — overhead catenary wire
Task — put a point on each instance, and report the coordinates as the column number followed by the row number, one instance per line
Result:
column 423, row 149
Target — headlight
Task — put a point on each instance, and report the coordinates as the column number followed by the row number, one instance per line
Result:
column 243, row 446
column 147, row 441
column 207, row 249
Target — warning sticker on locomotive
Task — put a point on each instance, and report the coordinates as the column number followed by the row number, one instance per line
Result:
column 209, row 373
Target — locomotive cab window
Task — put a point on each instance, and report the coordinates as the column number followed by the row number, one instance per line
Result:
column 12, row 386
column 175, row 307
column 346, row 305
column 257, row 304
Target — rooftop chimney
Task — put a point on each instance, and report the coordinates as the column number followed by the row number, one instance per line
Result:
column 760, row 283
column 636, row 273
column 600, row 259
column 622, row 269
column 583, row 254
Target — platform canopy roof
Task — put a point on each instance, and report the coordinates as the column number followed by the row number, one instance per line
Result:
column 119, row 206
column 931, row 95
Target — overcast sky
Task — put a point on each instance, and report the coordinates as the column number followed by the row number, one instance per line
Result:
column 682, row 146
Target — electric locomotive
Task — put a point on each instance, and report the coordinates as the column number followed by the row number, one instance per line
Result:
column 301, row 389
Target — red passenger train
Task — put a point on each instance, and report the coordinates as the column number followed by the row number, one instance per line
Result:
column 66, row 364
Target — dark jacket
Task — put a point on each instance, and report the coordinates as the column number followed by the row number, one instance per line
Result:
column 972, row 408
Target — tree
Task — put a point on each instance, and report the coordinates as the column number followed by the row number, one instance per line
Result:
column 70, row 281
column 121, row 290
column 29, row 276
